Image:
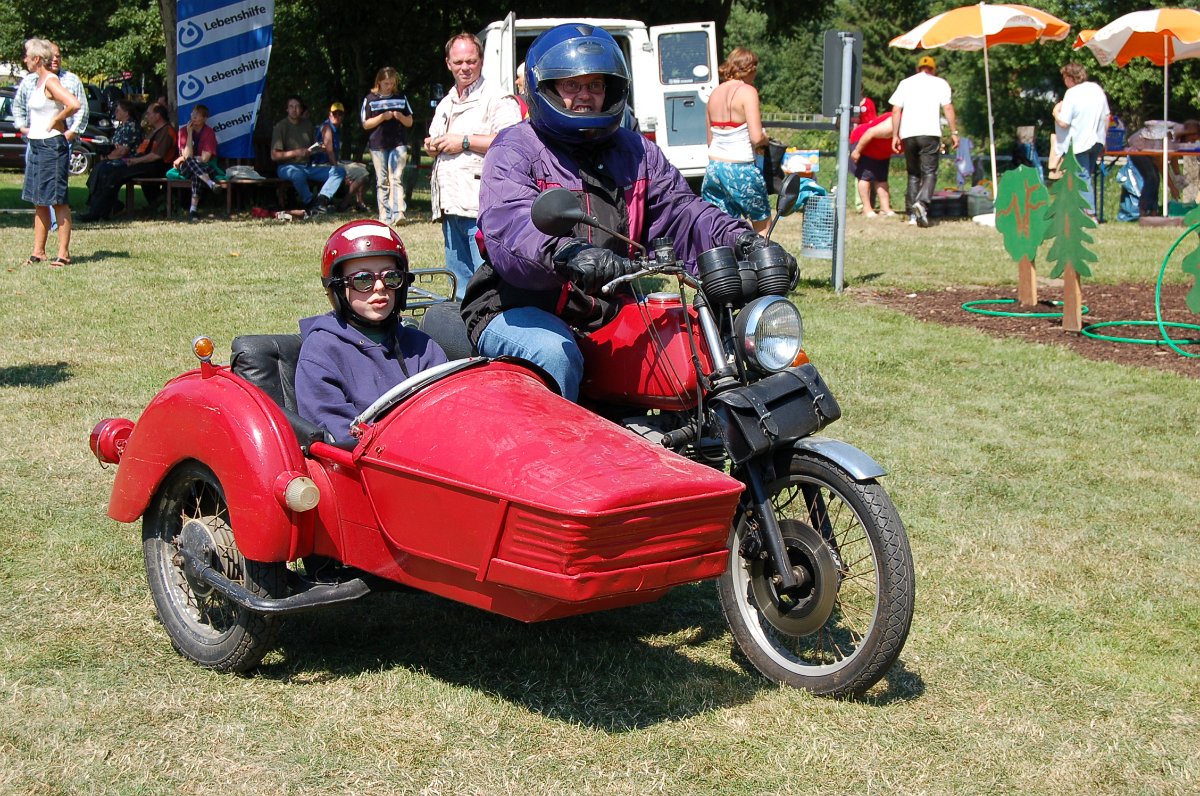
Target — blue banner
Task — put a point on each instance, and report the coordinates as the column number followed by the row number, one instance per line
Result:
column 222, row 53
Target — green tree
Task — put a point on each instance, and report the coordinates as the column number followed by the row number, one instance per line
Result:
column 1068, row 220
column 1021, row 206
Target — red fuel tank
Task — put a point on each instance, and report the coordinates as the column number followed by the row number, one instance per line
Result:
column 644, row 357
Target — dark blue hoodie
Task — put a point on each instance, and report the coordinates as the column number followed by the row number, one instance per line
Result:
column 342, row 371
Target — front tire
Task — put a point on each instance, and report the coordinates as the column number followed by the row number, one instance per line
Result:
column 205, row 626
column 843, row 631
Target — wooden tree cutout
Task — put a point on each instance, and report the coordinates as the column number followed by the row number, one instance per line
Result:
column 1021, row 205
column 1068, row 223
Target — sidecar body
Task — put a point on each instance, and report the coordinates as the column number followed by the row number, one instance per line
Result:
column 482, row 486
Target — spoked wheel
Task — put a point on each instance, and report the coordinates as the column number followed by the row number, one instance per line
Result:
column 204, row 625
column 841, row 631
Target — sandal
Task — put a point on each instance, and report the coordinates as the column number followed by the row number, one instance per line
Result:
column 34, row 260
column 59, row 262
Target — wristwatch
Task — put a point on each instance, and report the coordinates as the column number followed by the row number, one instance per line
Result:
column 466, row 143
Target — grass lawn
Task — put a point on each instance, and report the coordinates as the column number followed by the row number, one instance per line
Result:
column 1051, row 502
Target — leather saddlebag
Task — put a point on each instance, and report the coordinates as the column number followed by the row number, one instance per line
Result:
column 786, row 406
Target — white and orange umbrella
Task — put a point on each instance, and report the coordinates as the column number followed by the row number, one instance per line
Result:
column 979, row 27
column 1161, row 35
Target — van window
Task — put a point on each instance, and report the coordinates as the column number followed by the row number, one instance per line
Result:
column 679, row 55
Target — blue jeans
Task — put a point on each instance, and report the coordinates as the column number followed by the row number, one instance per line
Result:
column 389, row 190
column 462, row 254
column 543, row 339
column 1089, row 161
column 301, row 175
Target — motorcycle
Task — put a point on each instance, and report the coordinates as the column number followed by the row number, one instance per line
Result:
column 475, row 481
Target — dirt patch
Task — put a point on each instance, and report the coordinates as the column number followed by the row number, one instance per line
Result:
column 1105, row 302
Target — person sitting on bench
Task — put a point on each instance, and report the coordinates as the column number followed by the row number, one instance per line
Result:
column 153, row 158
column 354, row 354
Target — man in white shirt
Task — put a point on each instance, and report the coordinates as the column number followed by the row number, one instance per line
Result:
column 1081, row 122
column 464, row 124
column 917, row 107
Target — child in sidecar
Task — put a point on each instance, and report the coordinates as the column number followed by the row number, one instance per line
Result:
column 354, row 354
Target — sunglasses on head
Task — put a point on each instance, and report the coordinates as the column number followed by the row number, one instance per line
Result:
column 364, row 281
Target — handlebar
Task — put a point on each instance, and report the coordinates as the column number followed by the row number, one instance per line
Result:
column 672, row 269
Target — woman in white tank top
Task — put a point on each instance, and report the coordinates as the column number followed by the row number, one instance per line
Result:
column 50, row 105
column 733, row 181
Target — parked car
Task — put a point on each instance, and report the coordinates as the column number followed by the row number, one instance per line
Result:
column 94, row 142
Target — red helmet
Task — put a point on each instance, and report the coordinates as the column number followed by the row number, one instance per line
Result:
column 359, row 239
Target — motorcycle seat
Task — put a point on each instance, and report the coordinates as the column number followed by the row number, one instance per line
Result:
column 268, row 361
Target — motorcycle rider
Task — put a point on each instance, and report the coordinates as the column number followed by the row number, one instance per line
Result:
column 536, row 292
column 353, row 355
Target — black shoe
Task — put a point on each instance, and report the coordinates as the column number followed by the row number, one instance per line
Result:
column 193, row 216
column 921, row 214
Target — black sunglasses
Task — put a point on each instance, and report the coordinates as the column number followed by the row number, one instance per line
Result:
column 364, row 281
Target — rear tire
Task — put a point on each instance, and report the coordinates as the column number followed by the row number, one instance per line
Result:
column 204, row 625
column 842, row 633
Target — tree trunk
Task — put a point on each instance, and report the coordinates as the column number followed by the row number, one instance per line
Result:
column 167, row 7
column 1072, row 319
column 1026, row 283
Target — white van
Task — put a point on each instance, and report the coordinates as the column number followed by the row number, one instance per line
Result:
column 673, row 70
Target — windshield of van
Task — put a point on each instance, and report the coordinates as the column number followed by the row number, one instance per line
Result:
column 683, row 58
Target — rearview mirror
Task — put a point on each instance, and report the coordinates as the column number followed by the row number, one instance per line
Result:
column 557, row 211
column 789, row 191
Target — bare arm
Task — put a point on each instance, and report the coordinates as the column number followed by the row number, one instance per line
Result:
column 881, row 130
column 948, row 109
column 897, row 113
column 68, row 100
column 753, row 114
column 327, row 146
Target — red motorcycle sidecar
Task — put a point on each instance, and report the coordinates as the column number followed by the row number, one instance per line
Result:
column 483, row 486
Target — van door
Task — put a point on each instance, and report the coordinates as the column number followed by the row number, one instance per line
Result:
column 687, row 74
column 508, row 60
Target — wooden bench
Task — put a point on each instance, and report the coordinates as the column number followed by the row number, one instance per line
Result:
column 230, row 186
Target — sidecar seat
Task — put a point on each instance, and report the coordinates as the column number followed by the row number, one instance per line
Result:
column 444, row 323
column 268, row 361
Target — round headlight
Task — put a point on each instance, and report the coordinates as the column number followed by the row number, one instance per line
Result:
column 771, row 333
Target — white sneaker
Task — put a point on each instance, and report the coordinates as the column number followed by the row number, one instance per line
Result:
column 912, row 221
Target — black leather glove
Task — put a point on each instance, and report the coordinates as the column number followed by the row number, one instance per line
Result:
column 591, row 267
column 749, row 242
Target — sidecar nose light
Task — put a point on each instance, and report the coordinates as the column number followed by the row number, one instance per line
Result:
column 203, row 348
column 297, row 492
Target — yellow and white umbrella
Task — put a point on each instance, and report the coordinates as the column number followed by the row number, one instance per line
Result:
column 1161, row 35
column 979, row 27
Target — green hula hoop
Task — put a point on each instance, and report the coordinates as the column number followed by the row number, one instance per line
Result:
column 1163, row 336
column 974, row 306
column 1087, row 332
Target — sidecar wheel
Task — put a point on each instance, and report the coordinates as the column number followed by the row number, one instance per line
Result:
column 843, row 632
column 205, row 626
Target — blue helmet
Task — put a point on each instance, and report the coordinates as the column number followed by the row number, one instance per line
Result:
column 572, row 50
